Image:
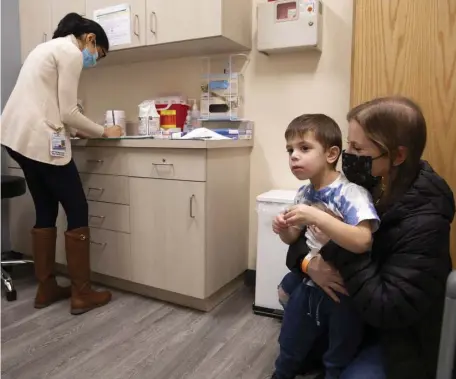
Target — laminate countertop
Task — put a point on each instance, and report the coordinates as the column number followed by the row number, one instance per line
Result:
column 162, row 143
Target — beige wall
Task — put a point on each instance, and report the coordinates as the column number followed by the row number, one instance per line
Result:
column 278, row 88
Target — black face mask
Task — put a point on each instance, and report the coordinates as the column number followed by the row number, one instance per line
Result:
column 358, row 170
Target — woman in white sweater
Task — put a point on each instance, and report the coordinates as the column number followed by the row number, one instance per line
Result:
column 37, row 122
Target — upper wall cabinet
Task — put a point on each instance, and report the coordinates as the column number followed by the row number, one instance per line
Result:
column 60, row 8
column 124, row 21
column 161, row 29
column 180, row 20
column 35, row 20
column 39, row 19
column 225, row 23
column 141, row 30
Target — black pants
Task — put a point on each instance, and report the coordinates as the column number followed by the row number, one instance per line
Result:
column 50, row 185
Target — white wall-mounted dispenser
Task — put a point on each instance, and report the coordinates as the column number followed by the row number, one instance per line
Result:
column 289, row 25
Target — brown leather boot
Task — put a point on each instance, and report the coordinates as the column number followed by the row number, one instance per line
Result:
column 83, row 298
column 44, row 255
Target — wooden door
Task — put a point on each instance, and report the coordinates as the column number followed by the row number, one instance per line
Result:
column 408, row 47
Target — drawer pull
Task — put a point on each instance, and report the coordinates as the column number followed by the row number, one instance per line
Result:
column 163, row 164
column 95, row 161
column 96, row 216
column 96, row 189
column 102, row 244
column 191, row 206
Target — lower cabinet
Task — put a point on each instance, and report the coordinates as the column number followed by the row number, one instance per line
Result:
column 110, row 253
column 168, row 234
column 160, row 222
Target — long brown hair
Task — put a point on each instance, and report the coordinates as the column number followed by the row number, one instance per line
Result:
column 392, row 122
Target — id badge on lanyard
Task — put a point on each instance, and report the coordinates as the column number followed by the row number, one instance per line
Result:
column 58, row 144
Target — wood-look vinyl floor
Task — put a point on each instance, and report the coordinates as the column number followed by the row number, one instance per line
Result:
column 135, row 337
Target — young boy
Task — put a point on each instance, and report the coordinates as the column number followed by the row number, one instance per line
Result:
column 329, row 207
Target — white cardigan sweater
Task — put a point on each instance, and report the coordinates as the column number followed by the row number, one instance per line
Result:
column 44, row 101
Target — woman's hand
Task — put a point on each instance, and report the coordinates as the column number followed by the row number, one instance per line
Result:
column 112, row 132
column 327, row 277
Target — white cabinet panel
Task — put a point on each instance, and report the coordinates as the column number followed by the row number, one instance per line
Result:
column 181, row 20
column 35, row 20
column 168, row 235
column 60, row 8
column 137, row 19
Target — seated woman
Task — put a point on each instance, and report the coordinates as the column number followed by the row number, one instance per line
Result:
column 399, row 287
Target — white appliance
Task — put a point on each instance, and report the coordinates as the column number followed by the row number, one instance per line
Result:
column 271, row 252
column 289, row 25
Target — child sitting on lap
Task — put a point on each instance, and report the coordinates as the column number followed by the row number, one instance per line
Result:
column 329, row 207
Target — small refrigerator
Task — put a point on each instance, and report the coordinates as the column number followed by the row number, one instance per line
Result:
column 271, row 252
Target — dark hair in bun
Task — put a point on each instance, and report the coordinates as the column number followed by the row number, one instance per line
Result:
column 77, row 25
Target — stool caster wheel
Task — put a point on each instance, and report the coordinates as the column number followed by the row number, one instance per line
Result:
column 11, row 296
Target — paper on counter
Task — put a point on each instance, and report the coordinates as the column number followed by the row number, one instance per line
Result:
column 204, row 133
column 116, row 21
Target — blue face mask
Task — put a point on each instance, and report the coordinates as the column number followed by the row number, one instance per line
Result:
column 89, row 59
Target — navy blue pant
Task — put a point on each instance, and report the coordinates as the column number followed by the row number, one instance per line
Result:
column 308, row 314
column 368, row 364
column 50, row 185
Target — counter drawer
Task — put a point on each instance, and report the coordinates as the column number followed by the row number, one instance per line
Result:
column 176, row 164
column 110, row 253
column 106, row 188
column 107, row 216
column 110, row 161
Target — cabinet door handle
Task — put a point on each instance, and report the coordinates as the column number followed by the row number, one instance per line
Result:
column 152, row 19
column 191, row 206
column 97, row 216
column 95, row 161
column 136, row 31
column 45, row 37
column 102, row 244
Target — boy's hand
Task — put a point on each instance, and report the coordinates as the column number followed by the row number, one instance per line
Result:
column 301, row 214
column 278, row 224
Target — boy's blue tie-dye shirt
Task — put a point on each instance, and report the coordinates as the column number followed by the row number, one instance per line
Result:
column 347, row 201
